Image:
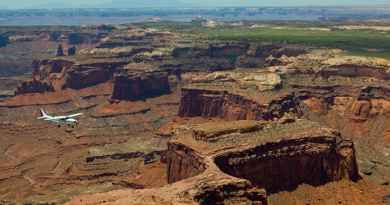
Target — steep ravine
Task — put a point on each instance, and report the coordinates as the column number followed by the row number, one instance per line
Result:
column 275, row 166
column 284, row 165
column 183, row 162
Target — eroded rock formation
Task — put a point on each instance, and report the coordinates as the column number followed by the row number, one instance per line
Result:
column 138, row 86
column 356, row 70
column 34, row 87
column 84, row 76
column 44, row 68
column 285, row 165
column 230, row 193
column 183, row 162
column 211, row 103
column 225, row 56
column 243, row 162
column 60, row 51
column 255, row 140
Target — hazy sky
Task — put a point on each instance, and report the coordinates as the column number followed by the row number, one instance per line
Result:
column 169, row 3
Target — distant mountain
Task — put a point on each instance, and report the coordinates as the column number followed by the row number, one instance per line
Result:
column 235, row 3
column 144, row 3
column 36, row 4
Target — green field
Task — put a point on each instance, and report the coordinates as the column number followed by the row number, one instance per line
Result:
column 356, row 42
column 362, row 42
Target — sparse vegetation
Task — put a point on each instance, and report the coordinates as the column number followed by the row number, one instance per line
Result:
column 371, row 43
column 365, row 43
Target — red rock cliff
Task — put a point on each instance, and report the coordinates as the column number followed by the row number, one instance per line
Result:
column 209, row 103
column 284, row 165
column 140, row 86
column 183, row 162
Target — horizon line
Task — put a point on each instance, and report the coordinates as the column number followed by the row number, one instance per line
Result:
column 208, row 7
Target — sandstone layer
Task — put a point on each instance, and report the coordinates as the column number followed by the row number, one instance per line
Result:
column 215, row 172
column 138, row 86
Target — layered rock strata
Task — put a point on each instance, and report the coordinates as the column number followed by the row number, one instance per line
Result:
column 33, row 87
column 217, row 103
column 183, row 162
column 285, row 165
column 243, row 162
column 229, row 55
column 138, row 86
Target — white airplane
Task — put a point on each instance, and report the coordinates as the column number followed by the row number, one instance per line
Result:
column 65, row 119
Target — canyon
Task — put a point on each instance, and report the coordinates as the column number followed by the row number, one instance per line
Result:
column 171, row 120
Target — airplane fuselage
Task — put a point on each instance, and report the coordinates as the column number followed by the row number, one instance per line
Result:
column 66, row 119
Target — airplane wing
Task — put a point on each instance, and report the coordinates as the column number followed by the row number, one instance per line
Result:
column 74, row 115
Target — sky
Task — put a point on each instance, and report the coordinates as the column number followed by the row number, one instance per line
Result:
column 15, row 4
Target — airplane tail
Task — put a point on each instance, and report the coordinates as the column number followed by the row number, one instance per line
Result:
column 43, row 115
